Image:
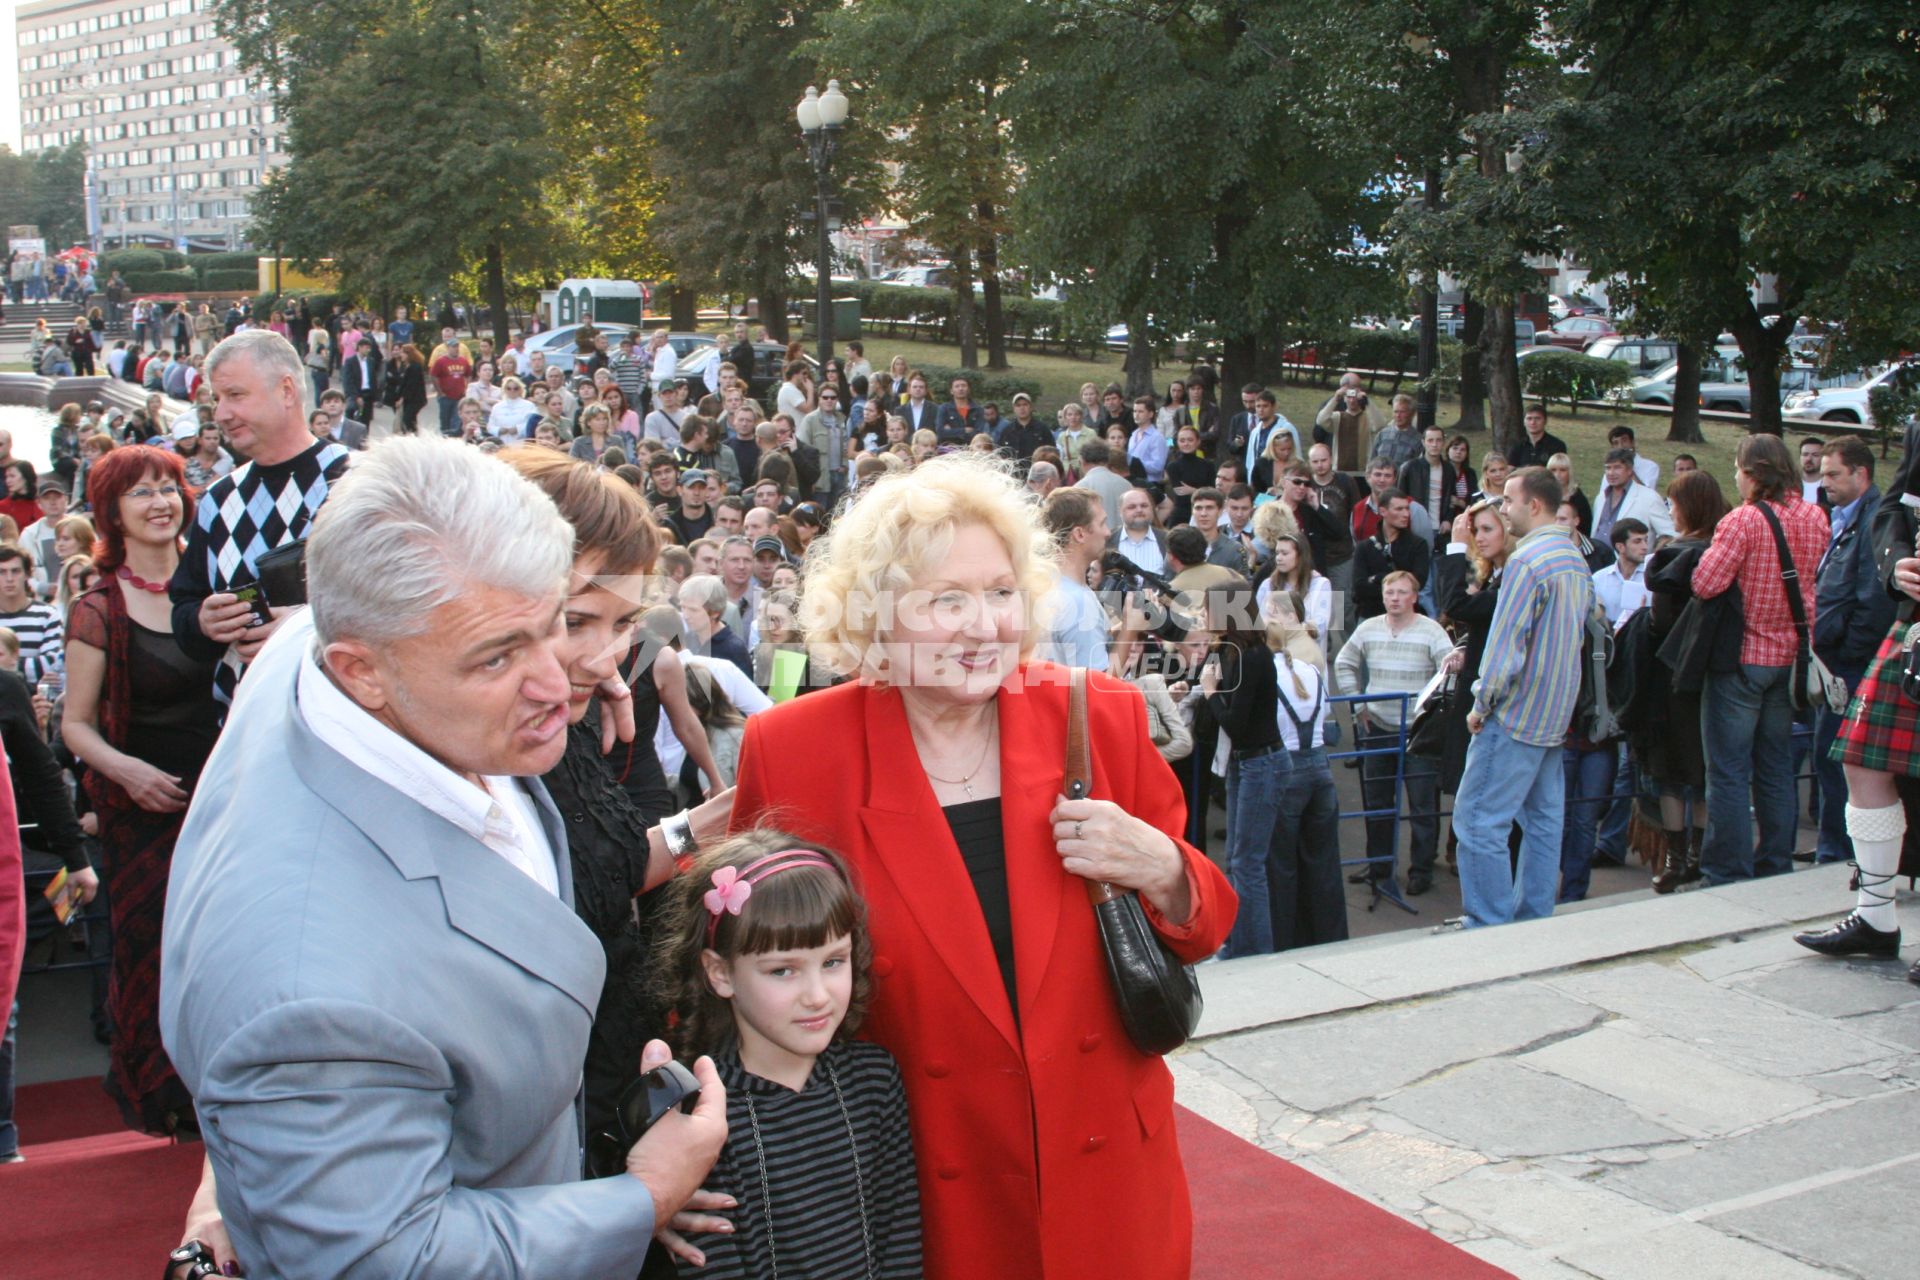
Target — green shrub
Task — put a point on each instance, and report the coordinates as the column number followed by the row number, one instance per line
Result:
column 1571, row 377
column 1030, row 319
column 128, row 261
column 997, row 387
column 172, row 281
column 229, row 280
column 230, row 261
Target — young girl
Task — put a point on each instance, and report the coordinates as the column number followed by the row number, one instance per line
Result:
column 764, row 957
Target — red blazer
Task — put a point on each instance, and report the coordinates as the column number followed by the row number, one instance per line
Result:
column 1045, row 1146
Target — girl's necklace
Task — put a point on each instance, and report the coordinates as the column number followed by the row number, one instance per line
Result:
column 859, row 1179
column 967, row 782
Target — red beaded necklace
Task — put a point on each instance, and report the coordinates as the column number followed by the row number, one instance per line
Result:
column 129, row 577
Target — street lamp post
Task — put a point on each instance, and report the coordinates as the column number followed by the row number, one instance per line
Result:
column 821, row 116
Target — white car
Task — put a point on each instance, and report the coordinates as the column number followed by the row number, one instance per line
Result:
column 1838, row 403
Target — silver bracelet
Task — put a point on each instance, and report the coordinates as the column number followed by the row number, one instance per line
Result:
column 677, row 830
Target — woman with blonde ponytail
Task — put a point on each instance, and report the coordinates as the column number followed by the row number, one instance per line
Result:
column 1305, row 894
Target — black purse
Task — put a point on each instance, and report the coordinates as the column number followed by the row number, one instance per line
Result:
column 645, row 1099
column 1159, row 997
column 1427, row 735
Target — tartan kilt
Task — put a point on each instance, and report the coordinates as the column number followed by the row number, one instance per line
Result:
column 1882, row 726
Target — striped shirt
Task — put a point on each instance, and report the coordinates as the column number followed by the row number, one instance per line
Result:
column 42, row 646
column 811, row 1223
column 1376, row 659
column 1530, row 676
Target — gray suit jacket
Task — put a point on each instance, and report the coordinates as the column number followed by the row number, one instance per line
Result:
column 381, row 1020
column 353, row 434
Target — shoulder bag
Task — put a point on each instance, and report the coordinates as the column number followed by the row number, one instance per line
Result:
column 1159, row 997
column 1811, row 684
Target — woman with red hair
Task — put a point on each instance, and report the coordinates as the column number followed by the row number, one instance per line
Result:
column 140, row 715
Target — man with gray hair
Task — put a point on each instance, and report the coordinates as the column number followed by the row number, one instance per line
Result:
column 1042, row 479
column 260, row 403
column 372, row 977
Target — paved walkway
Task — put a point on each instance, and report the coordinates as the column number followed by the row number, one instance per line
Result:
column 1661, row 1088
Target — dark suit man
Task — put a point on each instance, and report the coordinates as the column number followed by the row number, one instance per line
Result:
column 1416, row 481
column 1394, row 548
column 1852, row 615
column 360, row 379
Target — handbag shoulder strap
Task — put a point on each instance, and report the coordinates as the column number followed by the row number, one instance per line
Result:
column 1079, row 772
column 1789, row 575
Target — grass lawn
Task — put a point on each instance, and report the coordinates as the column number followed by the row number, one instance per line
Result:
column 1059, row 379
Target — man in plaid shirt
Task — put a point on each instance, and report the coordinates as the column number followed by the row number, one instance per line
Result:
column 1746, row 720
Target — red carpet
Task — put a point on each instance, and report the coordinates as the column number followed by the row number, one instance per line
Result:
column 1257, row 1216
column 95, row 1202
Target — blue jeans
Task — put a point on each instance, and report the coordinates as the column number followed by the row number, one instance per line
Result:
column 449, row 416
column 1590, row 777
column 1507, row 780
column 1253, row 810
column 1746, row 727
column 1309, row 903
column 1614, row 823
column 320, row 381
column 9, row 1135
column 1830, row 777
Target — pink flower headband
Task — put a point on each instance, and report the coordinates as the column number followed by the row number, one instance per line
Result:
column 732, row 886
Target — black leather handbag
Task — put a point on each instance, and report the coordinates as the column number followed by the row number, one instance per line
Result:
column 1159, row 997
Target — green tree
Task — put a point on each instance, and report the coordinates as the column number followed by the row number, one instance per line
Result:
column 46, row 189
column 1252, row 235
column 728, row 158
column 445, row 176
column 1716, row 147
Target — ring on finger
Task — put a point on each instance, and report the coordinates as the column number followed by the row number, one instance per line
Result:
column 1080, row 829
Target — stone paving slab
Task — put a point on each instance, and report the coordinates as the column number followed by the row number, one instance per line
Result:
column 1543, row 1210
column 1726, row 1023
column 1865, row 1225
column 1743, row 955
column 1259, row 991
column 1847, row 1137
column 1686, row 1251
column 1837, row 988
column 1505, row 1109
column 1670, row 1081
column 1336, row 1061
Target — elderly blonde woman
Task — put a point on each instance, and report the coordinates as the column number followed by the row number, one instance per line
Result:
column 989, row 987
column 513, row 414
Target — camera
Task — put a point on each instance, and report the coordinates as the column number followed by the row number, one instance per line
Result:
column 1121, row 576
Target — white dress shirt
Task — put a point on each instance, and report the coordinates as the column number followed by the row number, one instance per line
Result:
column 1144, row 552
column 740, row 690
column 498, row 813
column 1621, row 596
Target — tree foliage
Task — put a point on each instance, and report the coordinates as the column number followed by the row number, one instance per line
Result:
column 46, row 189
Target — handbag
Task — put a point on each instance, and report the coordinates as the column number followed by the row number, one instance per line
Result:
column 1433, row 712
column 1811, row 684
column 1159, row 997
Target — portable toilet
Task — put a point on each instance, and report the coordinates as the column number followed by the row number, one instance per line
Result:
column 610, row 301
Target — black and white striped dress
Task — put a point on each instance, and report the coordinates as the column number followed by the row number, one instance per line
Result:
column 812, row 1226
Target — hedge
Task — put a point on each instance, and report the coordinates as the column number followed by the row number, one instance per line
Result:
column 997, row 387
column 231, row 261
column 319, row 303
column 230, row 279
column 1572, row 377
column 1027, row 319
column 128, row 261
column 176, row 281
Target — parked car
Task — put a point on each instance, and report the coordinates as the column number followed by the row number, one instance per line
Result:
column 1576, row 333
column 769, row 363
column 1562, row 305
column 1640, row 355
column 1656, row 388
column 557, row 345
column 1844, row 401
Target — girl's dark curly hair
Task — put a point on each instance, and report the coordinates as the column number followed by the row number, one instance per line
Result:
column 796, row 907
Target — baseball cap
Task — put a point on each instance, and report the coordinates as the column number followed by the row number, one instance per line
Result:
column 1018, row 396
column 772, row 544
column 667, row 384
column 52, row 484
column 185, row 428
column 693, row 475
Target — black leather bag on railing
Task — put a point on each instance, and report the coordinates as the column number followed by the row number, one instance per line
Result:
column 1159, row 997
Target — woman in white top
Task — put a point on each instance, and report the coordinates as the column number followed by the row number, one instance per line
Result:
column 512, row 413
column 1304, row 891
column 1293, row 571
column 483, row 389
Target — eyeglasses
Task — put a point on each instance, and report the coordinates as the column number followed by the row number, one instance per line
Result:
column 145, row 492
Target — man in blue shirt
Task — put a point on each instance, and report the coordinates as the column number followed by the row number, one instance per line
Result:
column 1077, row 631
column 1523, row 706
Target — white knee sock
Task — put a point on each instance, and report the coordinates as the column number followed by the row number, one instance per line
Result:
column 1877, row 837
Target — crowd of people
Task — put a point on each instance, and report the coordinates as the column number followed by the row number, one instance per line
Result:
column 654, row 718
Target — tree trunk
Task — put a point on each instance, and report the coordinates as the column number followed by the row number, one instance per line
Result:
column 1138, row 365
column 683, row 309
column 963, row 309
column 1684, row 426
column 773, row 309
column 1473, row 378
column 497, row 294
column 990, row 286
column 1239, row 361
column 1503, row 375
column 1761, row 346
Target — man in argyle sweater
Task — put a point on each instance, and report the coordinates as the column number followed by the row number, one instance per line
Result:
column 260, row 389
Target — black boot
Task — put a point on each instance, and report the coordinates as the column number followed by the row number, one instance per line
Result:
column 1852, row 937
column 1696, row 836
column 1673, row 861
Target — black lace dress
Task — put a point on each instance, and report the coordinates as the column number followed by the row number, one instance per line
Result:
column 607, row 844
